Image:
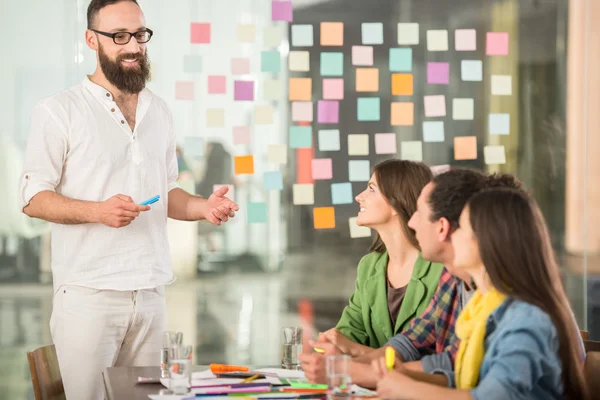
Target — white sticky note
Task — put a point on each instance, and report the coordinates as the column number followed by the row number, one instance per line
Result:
column 471, row 70
column 272, row 36
column 358, row 231
column 411, row 150
column 277, row 154
column 358, row 145
column 246, row 33
column 437, row 40
column 329, row 140
column 408, row 33
column 435, row 106
column 463, row 109
column 303, row 193
column 302, row 35
column 193, row 146
column 263, row 115
column 499, row 124
column 271, row 90
column 215, row 117
column 359, row 170
column 433, row 131
column 501, row 85
column 299, row 61
column 494, row 154
column 302, row 111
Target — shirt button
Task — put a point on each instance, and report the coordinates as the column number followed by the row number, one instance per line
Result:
column 112, row 109
column 122, row 121
column 26, row 176
column 107, row 94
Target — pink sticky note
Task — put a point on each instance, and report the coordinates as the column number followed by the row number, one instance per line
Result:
column 496, row 44
column 184, row 90
column 240, row 66
column 362, row 55
column 216, row 84
column 243, row 90
column 200, row 32
column 328, row 112
column 230, row 194
column 333, row 89
column 281, row 11
column 438, row 73
column 241, row 135
column 385, row 143
column 302, row 111
column 435, row 106
column 322, row 168
column 465, row 39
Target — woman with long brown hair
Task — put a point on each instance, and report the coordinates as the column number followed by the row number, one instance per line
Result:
column 518, row 334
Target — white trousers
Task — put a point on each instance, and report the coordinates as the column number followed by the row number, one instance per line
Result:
column 95, row 329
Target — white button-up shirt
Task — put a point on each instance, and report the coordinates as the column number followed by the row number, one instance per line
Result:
column 81, row 146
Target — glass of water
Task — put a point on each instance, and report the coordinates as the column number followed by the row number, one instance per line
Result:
column 291, row 347
column 339, row 378
column 180, row 369
column 170, row 339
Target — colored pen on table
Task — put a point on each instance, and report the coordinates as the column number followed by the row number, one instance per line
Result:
column 250, row 379
column 150, row 201
column 222, row 368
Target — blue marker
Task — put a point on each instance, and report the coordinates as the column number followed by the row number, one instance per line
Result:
column 150, row 201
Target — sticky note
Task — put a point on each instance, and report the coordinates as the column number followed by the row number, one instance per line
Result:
column 463, row 109
column 433, row 131
column 329, row 140
column 243, row 90
column 271, row 89
column 333, row 89
column 193, row 146
column 499, row 124
column 411, row 150
column 332, row 64
column 257, row 213
column 240, row 66
column 303, row 194
column 402, row 84
column 299, row 61
column 324, row 217
column 322, row 168
column 465, row 39
column 300, row 137
column 328, row 112
column 192, row 64
column 496, row 44
column 277, row 154
column 272, row 180
column 281, row 11
column 358, row 231
column 400, row 60
column 408, row 33
column 243, row 164
column 358, row 145
column 230, row 193
column 270, row 61
column 272, row 36
column 438, row 73
column 362, row 55
column 341, row 193
column 332, row 33
column 302, row 111
column 372, row 32
column 302, row 35
column 300, row 89
column 435, row 106
column 440, row 169
column 437, row 40
column 465, row 148
column 501, row 85
column 184, row 90
column 215, row 117
column 402, row 114
column 368, row 108
column 241, row 135
column 217, row 84
column 246, row 33
column 359, row 171
column 494, row 155
column 385, row 143
column 367, row 79
column 263, row 115
column 200, row 33
column 471, row 70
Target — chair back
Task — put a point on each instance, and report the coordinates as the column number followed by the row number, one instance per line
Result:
column 45, row 374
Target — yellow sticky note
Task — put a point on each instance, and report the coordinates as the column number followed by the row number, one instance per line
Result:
column 277, row 154
column 263, row 115
column 215, row 117
column 494, row 154
column 367, row 79
column 402, row 114
column 246, row 33
column 332, row 33
column 272, row 36
column 303, row 193
column 300, row 89
column 465, row 148
column 402, row 84
column 358, row 231
column 299, row 61
column 243, row 164
column 358, row 145
column 324, row 217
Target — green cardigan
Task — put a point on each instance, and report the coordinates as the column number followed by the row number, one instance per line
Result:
column 366, row 320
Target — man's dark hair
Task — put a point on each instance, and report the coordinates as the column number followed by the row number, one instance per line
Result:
column 97, row 5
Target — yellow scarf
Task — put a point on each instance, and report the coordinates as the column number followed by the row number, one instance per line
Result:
column 470, row 329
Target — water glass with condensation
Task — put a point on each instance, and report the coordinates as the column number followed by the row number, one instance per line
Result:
column 291, row 347
column 339, row 379
column 170, row 339
column 180, row 369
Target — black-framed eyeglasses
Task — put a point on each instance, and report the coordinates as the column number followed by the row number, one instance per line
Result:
column 122, row 38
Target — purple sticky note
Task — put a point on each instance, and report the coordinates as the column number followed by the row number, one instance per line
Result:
column 243, row 90
column 328, row 112
column 281, row 11
column 438, row 73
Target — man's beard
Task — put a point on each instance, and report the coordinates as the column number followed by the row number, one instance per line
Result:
column 127, row 79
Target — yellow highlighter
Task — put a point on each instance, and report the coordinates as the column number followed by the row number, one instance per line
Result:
column 390, row 357
column 319, row 350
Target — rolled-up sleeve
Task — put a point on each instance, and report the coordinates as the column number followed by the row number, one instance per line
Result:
column 47, row 147
column 438, row 361
column 404, row 347
column 171, row 158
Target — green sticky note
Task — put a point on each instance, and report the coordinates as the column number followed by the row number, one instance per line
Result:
column 257, row 213
column 332, row 64
column 270, row 61
column 300, row 137
column 368, row 109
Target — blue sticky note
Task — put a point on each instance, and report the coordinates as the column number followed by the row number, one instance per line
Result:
column 368, row 109
column 270, row 61
column 273, row 180
column 499, row 124
column 332, row 64
column 300, row 137
column 257, row 213
column 192, row 64
column 372, row 32
column 341, row 193
column 401, row 60
column 193, row 146
column 471, row 70
column 359, row 170
column 329, row 140
column 302, row 35
column 433, row 131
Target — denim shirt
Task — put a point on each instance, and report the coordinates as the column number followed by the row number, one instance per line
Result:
column 521, row 356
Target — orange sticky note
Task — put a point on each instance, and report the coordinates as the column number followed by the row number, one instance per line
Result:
column 403, row 114
column 300, row 89
column 324, row 217
column 332, row 33
column 367, row 79
column 465, row 148
column 402, row 84
column 244, row 165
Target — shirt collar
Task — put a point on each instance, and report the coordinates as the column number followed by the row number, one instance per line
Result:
column 104, row 94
